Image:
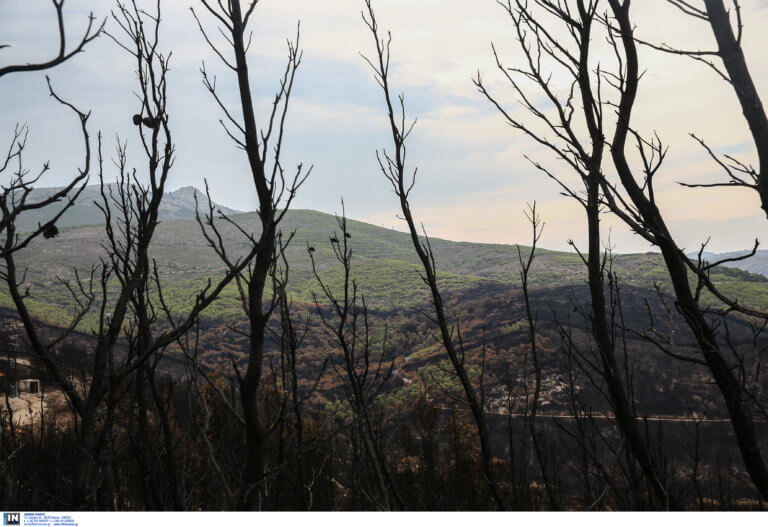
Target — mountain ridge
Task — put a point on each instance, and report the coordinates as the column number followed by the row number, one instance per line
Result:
column 177, row 204
column 180, row 204
column 384, row 264
column 757, row 263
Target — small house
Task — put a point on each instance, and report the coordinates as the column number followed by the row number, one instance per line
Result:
column 29, row 386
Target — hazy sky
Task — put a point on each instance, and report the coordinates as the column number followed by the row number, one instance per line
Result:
column 474, row 181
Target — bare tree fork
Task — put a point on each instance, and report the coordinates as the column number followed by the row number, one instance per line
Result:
column 44, row 350
column 663, row 341
column 586, row 362
column 364, row 372
column 583, row 100
column 189, row 344
column 91, row 32
column 14, row 197
column 275, row 190
column 729, row 62
column 13, row 202
column 130, row 208
column 190, row 350
column 640, row 204
column 393, row 167
column 537, row 227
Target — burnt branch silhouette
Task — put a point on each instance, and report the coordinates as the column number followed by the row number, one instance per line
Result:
column 92, row 31
column 393, row 167
column 275, row 189
column 729, row 62
column 633, row 199
column 365, row 366
column 580, row 107
column 130, row 208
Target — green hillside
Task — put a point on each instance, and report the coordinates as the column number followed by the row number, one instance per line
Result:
column 384, row 265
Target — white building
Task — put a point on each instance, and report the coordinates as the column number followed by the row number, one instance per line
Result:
column 29, row 386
